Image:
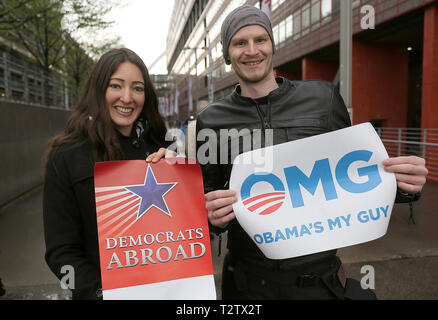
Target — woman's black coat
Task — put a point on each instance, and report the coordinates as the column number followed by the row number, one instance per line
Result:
column 70, row 223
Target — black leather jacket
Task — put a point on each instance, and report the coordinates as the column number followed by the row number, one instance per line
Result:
column 295, row 110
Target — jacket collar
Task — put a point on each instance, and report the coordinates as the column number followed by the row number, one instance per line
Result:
column 283, row 86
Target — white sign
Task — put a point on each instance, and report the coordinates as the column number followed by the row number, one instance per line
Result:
column 323, row 192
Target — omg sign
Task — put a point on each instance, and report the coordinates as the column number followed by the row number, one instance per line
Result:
column 324, row 192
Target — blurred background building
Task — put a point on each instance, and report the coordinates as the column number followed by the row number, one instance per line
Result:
column 22, row 80
column 394, row 70
column 394, row 62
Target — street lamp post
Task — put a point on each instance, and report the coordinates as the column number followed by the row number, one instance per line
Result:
column 346, row 40
column 195, row 49
column 190, row 80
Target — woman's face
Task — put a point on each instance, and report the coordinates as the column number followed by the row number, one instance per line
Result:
column 125, row 96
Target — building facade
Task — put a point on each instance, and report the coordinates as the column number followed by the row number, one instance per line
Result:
column 394, row 62
column 394, row 68
column 24, row 82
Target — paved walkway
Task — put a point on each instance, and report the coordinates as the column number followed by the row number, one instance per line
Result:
column 23, row 269
column 405, row 260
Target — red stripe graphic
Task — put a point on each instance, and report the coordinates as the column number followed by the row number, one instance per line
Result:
column 249, row 200
column 117, row 210
column 101, row 194
column 271, row 209
column 262, row 203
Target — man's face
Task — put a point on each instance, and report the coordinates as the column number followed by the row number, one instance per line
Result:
column 250, row 53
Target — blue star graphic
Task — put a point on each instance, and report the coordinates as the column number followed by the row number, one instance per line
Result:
column 152, row 194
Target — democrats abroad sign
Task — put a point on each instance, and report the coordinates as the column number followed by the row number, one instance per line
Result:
column 315, row 194
column 153, row 232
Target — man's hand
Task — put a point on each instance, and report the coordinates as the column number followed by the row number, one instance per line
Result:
column 410, row 172
column 219, row 205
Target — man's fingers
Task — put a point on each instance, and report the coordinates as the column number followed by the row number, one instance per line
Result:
column 213, row 195
column 221, row 221
column 410, row 188
column 219, row 213
column 404, row 160
column 407, row 169
column 219, row 203
column 410, row 179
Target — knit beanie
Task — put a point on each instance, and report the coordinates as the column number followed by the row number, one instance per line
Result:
column 241, row 17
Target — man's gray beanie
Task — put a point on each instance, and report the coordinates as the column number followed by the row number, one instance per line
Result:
column 241, row 17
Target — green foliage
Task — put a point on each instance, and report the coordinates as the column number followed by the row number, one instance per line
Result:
column 49, row 31
column 37, row 27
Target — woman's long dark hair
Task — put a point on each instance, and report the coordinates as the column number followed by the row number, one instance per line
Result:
column 90, row 118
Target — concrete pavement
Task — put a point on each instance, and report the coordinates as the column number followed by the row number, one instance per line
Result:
column 405, row 260
column 23, row 270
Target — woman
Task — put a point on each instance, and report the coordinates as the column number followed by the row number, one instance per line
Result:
column 116, row 118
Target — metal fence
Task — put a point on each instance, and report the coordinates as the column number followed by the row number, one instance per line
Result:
column 413, row 141
column 21, row 81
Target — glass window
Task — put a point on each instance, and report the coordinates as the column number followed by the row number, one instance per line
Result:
column 282, row 31
column 289, row 27
column 276, row 37
column 326, row 7
column 335, row 8
column 201, row 67
column 217, row 51
column 305, row 16
column 297, row 24
column 192, row 57
column 213, row 10
column 326, row 10
column 315, row 11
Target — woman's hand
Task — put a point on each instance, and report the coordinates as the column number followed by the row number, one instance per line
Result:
column 162, row 152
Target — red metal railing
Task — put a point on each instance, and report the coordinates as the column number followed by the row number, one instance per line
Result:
column 413, row 141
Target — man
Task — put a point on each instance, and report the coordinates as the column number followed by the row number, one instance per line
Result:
column 293, row 110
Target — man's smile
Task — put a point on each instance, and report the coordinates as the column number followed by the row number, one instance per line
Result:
column 252, row 62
